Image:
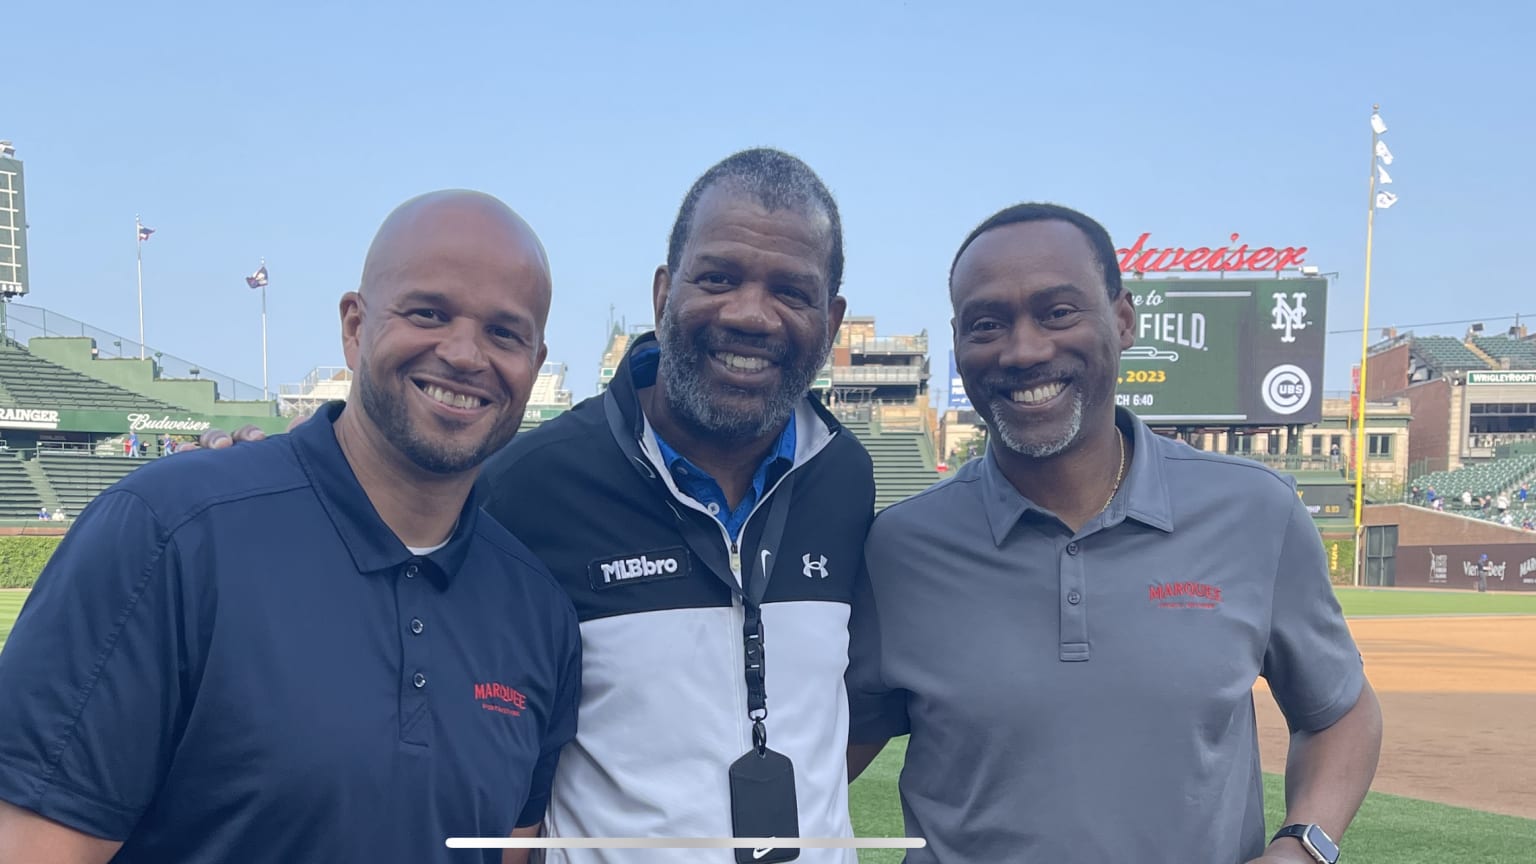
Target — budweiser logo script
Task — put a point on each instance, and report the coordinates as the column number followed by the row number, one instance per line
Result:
column 1142, row 258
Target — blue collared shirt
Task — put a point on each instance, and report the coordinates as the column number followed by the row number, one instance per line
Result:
column 697, row 483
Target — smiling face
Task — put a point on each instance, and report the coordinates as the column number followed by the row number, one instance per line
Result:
column 1037, row 337
column 746, row 322
column 446, row 336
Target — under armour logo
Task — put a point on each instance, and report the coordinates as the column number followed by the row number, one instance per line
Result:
column 814, row 569
column 1289, row 316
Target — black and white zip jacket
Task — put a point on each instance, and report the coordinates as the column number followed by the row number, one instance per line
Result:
column 664, row 706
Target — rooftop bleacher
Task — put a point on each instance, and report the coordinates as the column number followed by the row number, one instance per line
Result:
column 1520, row 353
column 1447, row 353
column 33, row 381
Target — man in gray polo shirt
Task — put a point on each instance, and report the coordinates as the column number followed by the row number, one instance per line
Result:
column 1070, row 627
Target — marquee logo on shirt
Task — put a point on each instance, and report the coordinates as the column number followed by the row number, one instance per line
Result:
column 1184, row 595
column 501, row 699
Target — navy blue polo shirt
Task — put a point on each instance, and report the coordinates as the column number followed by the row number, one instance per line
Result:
column 231, row 658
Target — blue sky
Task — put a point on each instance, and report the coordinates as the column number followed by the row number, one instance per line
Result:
column 287, row 131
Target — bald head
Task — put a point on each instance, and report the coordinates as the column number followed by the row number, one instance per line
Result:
column 445, row 334
column 454, row 229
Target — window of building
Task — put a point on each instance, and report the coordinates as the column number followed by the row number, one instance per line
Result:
column 1317, row 445
column 1380, row 445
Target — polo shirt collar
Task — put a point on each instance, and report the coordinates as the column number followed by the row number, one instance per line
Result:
column 371, row 543
column 1143, row 493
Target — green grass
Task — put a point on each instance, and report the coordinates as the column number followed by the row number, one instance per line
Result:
column 1398, row 601
column 10, row 607
column 1388, row 830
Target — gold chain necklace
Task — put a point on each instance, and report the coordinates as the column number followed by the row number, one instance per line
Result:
column 1119, row 474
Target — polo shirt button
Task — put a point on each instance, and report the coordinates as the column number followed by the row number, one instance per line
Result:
column 417, row 626
column 411, row 571
column 1074, row 598
column 420, row 680
column 1072, row 548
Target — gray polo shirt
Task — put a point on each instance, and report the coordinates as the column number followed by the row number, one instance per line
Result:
column 1088, row 697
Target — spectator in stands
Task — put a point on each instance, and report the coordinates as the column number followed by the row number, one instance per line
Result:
column 1524, row 493
column 704, row 446
column 1502, row 502
column 1130, row 588
column 316, row 648
column 42, row 513
column 1333, row 456
column 1466, row 498
column 1415, row 495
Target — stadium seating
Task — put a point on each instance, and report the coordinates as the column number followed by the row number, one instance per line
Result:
column 1520, row 353
column 19, row 498
column 78, row 477
column 35, row 382
column 1487, row 478
column 1446, row 353
column 902, row 466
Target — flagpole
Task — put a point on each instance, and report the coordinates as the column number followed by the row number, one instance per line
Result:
column 264, row 335
column 138, row 240
column 1365, row 340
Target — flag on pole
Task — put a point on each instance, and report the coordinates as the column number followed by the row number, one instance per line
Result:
column 257, row 279
column 1385, row 200
column 1383, row 153
column 144, row 232
column 1382, row 176
column 1376, row 124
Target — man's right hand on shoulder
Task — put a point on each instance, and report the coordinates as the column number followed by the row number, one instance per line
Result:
column 218, row 439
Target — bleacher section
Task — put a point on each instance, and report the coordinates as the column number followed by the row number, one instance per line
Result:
column 902, row 467
column 19, row 499
column 79, row 477
column 1488, row 478
column 1520, row 353
column 1447, row 353
column 37, row 383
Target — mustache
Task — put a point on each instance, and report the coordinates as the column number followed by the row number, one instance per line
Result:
column 473, row 382
column 777, row 351
column 1004, row 379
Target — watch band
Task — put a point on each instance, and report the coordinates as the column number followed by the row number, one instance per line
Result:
column 1313, row 839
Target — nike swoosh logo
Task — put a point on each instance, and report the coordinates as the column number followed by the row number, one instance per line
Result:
column 761, row 852
column 766, row 555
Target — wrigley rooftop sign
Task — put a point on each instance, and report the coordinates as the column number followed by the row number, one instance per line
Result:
column 119, row 422
column 1141, row 258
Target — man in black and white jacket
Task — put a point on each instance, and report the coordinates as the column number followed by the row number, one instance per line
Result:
column 704, row 512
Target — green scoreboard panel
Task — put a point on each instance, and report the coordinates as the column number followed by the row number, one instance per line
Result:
column 1226, row 352
column 13, row 230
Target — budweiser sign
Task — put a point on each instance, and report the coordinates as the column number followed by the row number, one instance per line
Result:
column 1141, row 258
column 150, row 423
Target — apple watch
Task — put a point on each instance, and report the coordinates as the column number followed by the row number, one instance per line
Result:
column 1313, row 839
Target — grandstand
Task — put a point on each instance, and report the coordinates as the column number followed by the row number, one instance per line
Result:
column 1483, row 479
column 904, row 462
column 31, row 380
column 76, row 477
column 19, row 496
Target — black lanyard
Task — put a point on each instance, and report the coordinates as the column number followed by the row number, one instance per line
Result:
column 754, row 574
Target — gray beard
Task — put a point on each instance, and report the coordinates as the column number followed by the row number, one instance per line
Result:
column 1035, row 448
column 688, row 394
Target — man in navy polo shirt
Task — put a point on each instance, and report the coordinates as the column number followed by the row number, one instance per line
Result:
column 314, row 648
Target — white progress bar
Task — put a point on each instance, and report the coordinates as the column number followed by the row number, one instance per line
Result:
column 763, row 843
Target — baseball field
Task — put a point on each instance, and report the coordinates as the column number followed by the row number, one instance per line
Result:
column 1456, row 673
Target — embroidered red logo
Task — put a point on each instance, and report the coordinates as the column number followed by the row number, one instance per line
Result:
column 1184, row 595
column 501, row 699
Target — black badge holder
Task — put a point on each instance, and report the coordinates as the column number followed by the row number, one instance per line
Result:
column 762, row 782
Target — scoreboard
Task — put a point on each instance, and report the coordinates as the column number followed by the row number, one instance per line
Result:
column 1226, row 351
